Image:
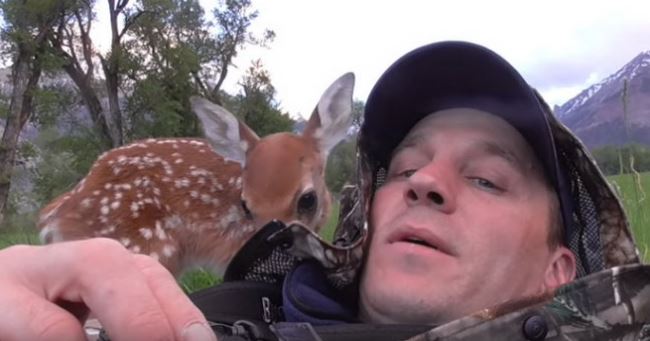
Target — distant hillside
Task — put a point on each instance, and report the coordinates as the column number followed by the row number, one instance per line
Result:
column 596, row 114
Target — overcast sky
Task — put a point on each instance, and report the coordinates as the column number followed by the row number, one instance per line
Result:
column 560, row 47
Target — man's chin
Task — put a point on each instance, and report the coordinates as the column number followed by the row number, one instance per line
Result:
column 401, row 306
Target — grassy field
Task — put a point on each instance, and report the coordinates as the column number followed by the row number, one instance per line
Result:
column 635, row 192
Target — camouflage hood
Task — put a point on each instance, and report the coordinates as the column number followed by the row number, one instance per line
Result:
column 459, row 74
column 448, row 74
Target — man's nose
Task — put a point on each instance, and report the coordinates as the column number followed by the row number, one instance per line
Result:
column 432, row 187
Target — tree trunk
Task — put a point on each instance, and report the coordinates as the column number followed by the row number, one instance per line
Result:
column 20, row 108
column 90, row 98
column 111, row 70
column 114, row 114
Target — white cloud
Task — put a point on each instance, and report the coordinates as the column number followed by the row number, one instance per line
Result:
column 559, row 46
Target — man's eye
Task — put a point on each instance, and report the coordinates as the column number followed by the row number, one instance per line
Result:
column 486, row 184
column 407, row 173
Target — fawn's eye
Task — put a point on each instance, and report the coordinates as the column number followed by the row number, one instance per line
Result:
column 307, row 202
column 247, row 212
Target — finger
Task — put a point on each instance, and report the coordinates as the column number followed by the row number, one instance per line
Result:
column 33, row 318
column 101, row 273
column 185, row 318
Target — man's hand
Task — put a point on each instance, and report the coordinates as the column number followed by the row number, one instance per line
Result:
column 47, row 291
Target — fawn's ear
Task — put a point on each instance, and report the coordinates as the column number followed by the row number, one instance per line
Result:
column 332, row 117
column 228, row 136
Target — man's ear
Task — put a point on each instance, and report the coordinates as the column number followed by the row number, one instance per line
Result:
column 561, row 269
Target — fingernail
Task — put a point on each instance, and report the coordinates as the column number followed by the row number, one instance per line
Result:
column 198, row 332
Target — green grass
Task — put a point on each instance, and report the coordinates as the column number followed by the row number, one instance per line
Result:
column 635, row 194
column 198, row 279
column 18, row 229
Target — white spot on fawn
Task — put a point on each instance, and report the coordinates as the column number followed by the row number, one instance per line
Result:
column 154, row 255
column 125, row 241
column 134, row 206
column 231, row 216
column 160, row 233
column 115, row 205
column 168, row 250
column 135, row 249
column 182, row 182
column 173, row 222
column 107, row 230
column 104, row 210
column 104, row 201
column 146, row 232
column 86, row 202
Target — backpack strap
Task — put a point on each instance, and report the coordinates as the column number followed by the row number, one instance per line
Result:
column 241, row 310
column 292, row 331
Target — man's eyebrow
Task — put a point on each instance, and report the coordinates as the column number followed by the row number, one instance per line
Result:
column 494, row 149
column 408, row 142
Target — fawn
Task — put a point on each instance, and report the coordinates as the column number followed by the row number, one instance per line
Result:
column 194, row 202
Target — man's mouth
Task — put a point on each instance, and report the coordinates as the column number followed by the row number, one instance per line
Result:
column 419, row 236
column 418, row 241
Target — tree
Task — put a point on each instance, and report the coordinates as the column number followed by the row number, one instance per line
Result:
column 233, row 19
column 27, row 24
column 609, row 159
column 174, row 51
column 72, row 43
column 256, row 104
column 342, row 162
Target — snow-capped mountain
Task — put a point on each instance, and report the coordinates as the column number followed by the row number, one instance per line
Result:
column 596, row 115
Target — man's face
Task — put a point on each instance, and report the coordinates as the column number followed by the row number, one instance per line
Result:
column 461, row 223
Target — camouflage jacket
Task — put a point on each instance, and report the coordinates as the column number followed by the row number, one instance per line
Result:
column 613, row 304
column 610, row 299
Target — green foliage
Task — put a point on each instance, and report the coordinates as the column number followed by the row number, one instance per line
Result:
column 330, row 227
column 153, row 115
column 50, row 101
column 357, row 113
column 341, row 165
column 198, row 279
column 256, row 104
column 18, row 229
column 342, row 161
column 614, row 160
column 65, row 160
column 4, row 106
